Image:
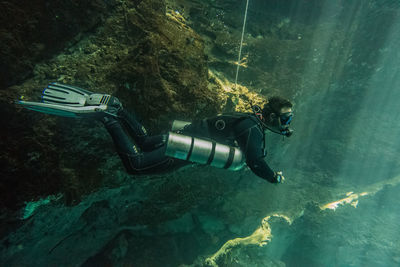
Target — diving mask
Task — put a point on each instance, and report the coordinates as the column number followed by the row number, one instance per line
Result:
column 284, row 121
column 286, row 118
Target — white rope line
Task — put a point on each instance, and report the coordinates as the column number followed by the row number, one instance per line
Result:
column 241, row 44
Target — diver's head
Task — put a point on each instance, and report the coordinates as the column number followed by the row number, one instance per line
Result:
column 277, row 115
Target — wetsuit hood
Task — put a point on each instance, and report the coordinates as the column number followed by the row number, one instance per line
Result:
column 282, row 122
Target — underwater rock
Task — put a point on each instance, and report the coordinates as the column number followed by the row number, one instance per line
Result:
column 141, row 54
column 33, row 30
column 344, row 227
column 138, row 223
column 28, row 158
column 163, row 75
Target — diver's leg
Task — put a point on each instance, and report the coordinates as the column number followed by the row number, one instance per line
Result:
column 153, row 142
column 155, row 162
column 124, row 146
column 134, row 127
column 138, row 132
column 137, row 162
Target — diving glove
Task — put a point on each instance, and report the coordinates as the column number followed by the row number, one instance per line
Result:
column 279, row 177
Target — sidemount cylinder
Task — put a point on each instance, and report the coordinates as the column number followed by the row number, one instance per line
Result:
column 204, row 152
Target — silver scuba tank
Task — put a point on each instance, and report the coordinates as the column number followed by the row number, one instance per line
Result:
column 204, row 152
column 179, row 125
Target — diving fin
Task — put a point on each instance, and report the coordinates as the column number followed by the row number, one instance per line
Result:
column 70, row 101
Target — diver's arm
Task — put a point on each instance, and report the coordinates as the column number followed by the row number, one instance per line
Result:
column 250, row 143
column 261, row 169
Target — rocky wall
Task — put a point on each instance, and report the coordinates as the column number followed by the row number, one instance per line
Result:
column 141, row 53
column 31, row 31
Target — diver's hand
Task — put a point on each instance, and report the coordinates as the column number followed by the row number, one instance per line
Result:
column 279, row 177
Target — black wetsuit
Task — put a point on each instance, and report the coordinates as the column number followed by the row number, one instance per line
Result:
column 147, row 154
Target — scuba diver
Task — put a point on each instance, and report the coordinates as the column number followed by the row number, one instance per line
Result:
column 228, row 141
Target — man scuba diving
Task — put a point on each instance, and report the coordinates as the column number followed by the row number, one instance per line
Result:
column 228, row 141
